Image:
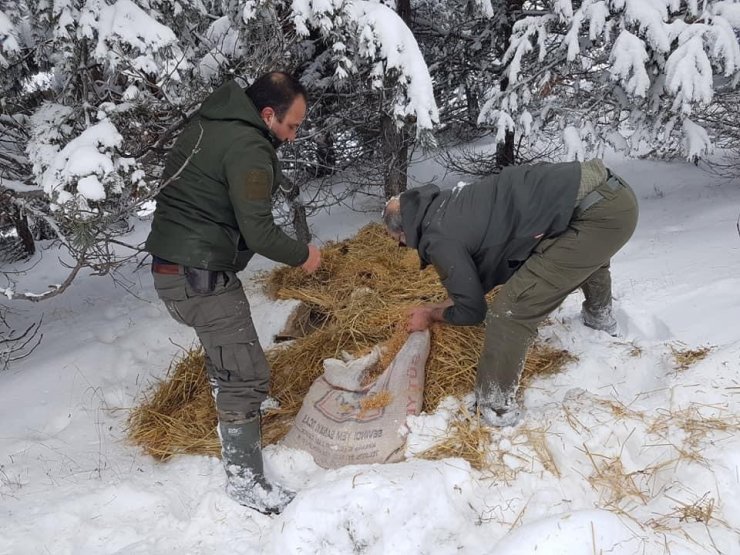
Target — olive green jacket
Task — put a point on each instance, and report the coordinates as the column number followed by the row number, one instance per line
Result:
column 217, row 212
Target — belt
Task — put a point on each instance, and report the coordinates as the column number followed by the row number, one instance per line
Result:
column 613, row 182
column 161, row 266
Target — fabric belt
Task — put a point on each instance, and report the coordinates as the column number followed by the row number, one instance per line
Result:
column 613, row 182
column 161, row 266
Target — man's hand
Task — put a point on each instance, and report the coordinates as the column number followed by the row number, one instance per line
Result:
column 419, row 318
column 313, row 261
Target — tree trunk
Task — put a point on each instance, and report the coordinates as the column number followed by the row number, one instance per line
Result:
column 395, row 152
column 394, row 147
column 472, row 101
column 505, row 151
column 24, row 232
column 300, row 223
column 326, row 158
column 403, row 9
column 297, row 210
column 505, row 155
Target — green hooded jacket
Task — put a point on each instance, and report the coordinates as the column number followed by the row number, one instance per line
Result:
column 218, row 212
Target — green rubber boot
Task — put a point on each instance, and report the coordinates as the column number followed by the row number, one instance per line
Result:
column 241, row 452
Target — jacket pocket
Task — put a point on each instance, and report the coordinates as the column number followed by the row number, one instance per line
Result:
column 238, row 355
column 520, row 250
column 545, row 244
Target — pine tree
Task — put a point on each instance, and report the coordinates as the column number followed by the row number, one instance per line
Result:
column 96, row 90
column 631, row 74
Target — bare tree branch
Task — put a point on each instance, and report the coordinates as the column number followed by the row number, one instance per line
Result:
column 16, row 347
column 55, row 290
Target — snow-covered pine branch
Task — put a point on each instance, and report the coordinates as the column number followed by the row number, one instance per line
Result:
column 381, row 40
column 9, row 46
column 652, row 65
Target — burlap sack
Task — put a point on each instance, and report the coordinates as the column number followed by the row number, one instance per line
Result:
column 337, row 423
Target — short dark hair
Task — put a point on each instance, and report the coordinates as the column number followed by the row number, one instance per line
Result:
column 392, row 218
column 277, row 90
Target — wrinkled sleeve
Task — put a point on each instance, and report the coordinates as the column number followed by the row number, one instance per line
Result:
column 249, row 175
column 459, row 277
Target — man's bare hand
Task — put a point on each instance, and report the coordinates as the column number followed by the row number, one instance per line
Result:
column 419, row 318
column 313, row 261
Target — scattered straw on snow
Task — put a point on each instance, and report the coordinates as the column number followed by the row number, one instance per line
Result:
column 688, row 357
column 357, row 299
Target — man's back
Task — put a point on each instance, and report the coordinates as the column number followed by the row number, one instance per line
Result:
column 499, row 219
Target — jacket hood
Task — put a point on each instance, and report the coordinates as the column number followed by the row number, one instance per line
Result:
column 414, row 206
column 230, row 102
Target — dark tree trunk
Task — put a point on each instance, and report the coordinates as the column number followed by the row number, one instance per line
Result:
column 395, row 147
column 326, row 157
column 297, row 210
column 300, row 223
column 473, row 103
column 403, row 8
column 505, row 151
column 24, row 232
column 395, row 157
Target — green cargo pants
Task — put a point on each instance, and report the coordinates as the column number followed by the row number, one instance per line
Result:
column 235, row 362
column 579, row 257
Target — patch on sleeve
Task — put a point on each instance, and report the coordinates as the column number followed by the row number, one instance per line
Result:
column 257, row 185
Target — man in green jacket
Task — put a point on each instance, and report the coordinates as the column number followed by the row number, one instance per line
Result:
column 541, row 231
column 213, row 214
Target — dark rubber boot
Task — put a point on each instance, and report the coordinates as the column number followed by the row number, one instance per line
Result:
column 501, row 411
column 600, row 319
column 241, row 452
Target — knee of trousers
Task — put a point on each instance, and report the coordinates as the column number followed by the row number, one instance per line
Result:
column 515, row 310
column 240, row 373
column 502, row 325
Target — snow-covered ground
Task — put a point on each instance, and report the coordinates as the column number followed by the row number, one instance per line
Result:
column 621, row 453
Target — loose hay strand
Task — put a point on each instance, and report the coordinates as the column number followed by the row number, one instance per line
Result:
column 178, row 416
column 688, row 357
column 466, row 439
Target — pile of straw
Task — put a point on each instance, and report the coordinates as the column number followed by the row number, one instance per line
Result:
column 357, row 299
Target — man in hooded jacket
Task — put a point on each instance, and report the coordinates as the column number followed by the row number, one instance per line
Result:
column 213, row 215
column 541, row 231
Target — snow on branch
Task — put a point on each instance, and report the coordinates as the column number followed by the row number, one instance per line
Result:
column 697, row 141
column 124, row 27
column 485, row 7
column 386, row 36
column 8, row 43
column 729, row 10
column 317, row 14
column 224, row 41
column 689, row 74
column 85, row 162
column 722, row 38
column 523, row 35
column 574, row 147
column 383, row 41
column 650, row 18
column 665, row 56
column 627, row 60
